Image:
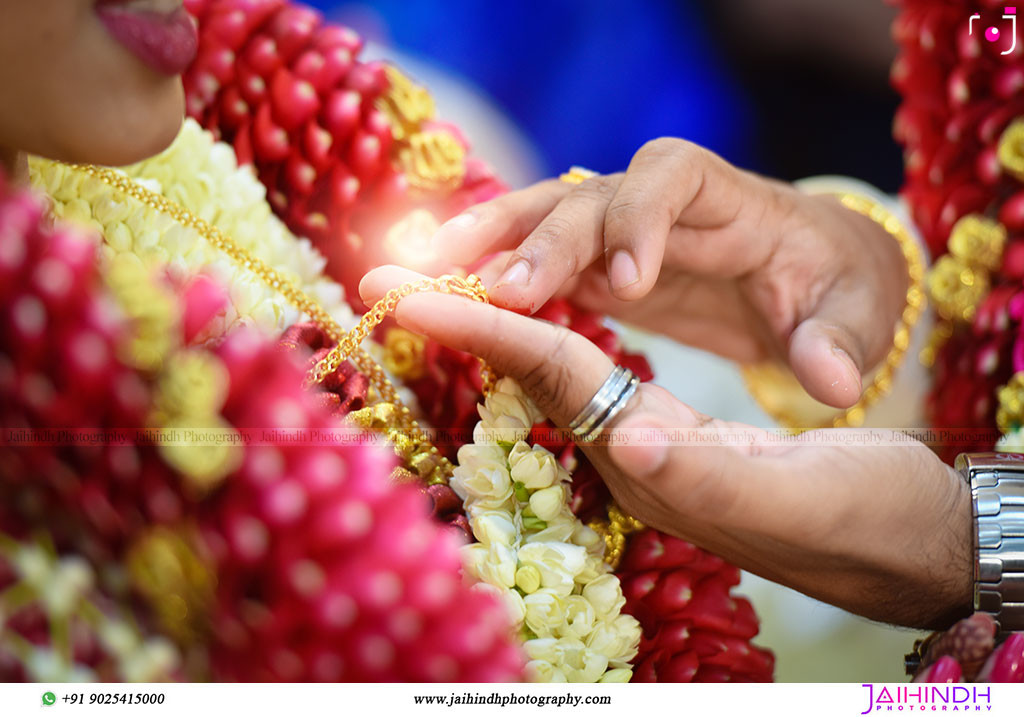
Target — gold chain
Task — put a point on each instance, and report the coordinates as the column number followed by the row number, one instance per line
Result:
column 471, row 288
column 347, row 344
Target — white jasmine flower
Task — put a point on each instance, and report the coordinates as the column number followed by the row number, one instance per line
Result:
column 494, row 527
column 535, row 468
column 517, row 495
column 580, row 617
column 558, row 564
column 557, row 531
column 203, row 176
column 545, row 611
column 605, row 594
column 543, row 671
column 618, row 674
column 581, row 664
column 512, row 600
column 549, row 503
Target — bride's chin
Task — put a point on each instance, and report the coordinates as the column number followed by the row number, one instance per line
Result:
column 118, row 137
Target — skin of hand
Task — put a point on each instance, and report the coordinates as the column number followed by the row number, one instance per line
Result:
column 70, row 91
column 686, row 245
column 884, row 532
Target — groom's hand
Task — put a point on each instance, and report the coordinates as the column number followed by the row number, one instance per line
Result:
column 687, row 245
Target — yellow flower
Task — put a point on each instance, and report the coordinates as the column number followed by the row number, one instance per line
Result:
column 1011, row 149
column 955, row 288
column 166, row 570
column 403, row 353
column 978, row 241
column 1010, row 414
column 194, row 383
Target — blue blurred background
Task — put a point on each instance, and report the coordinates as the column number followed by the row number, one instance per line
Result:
column 789, row 88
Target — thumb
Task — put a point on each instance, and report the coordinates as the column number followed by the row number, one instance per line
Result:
column 830, row 351
column 669, row 460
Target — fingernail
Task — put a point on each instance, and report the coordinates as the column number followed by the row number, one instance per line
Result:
column 1007, row 662
column 452, row 228
column 516, row 275
column 623, row 271
column 851, row 367
column 944, row 670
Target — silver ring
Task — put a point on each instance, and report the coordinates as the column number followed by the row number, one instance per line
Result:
column 606, row 404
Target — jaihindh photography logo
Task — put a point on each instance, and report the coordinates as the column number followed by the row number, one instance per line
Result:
column 927, row 698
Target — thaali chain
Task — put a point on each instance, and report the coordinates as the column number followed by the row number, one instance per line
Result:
column 348, row 345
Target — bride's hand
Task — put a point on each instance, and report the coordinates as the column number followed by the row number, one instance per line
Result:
column 882, row 531
column 687, row 245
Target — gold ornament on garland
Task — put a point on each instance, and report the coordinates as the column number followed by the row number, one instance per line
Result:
column 432, row 159
column 959, row 281
column 404, row 353
column 614, row 531
column 405, row 104
column 1010, row 414
column 1011, row 149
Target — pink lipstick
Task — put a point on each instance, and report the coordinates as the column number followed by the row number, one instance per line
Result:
column 159, row 32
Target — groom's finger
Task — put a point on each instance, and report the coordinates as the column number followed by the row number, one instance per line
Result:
column 498, row 224
column 566, row 242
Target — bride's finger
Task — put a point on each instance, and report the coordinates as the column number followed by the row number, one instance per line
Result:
column 559, row 369
column 380, row 280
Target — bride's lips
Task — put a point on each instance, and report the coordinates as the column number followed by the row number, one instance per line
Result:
column 158, row 32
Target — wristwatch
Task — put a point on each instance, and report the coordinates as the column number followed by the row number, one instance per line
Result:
column 997, row 492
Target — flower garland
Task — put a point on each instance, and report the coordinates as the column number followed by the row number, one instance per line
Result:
column 962, row 124
column 203, row 176
column 347, row 148
column 293, row 564
column 553, row 539
column 547, row 564
column 63, row 591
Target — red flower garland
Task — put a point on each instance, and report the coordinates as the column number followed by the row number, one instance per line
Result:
column 959, row 94
column 353, row 582
column 324, row 569
column 291, row 96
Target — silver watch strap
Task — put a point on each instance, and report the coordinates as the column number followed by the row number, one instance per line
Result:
column 997, row 491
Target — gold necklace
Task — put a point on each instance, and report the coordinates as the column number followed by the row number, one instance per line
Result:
column 348, row 344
